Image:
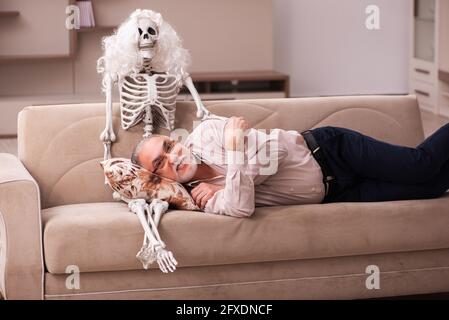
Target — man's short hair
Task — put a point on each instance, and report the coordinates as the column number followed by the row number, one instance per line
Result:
column 138, row 148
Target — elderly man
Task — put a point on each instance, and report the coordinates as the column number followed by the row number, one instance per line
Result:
column 233, row 168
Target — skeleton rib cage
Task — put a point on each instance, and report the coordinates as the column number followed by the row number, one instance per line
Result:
column 151, row 98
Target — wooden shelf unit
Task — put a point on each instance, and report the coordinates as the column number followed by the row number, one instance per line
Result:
column 9, row 14
column 443, row 75
column 31, row 58
column 96, row 28
column 229, row 85
column 429, row 78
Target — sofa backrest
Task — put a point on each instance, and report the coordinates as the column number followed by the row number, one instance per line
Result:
column 60, row 146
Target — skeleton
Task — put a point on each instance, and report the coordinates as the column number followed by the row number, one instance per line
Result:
column 147, row 95
column 146, row 61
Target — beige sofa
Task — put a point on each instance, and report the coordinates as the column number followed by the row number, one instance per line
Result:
column 56, row 212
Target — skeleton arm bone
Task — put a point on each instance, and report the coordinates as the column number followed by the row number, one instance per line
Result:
column 108, row 136
column 201, row 109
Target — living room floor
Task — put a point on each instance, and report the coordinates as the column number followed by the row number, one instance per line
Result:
column 430, row 121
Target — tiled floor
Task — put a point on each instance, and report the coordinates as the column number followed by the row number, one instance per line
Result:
column 430, row 121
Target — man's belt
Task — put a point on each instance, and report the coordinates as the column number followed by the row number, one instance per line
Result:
column 319, row 156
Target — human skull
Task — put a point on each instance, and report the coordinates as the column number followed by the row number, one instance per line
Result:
column 148, row 34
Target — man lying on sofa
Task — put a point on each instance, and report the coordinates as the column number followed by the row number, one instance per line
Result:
column 233, row 168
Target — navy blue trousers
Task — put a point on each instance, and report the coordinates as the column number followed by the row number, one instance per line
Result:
column 367, row 169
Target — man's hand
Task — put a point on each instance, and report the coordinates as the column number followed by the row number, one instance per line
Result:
column 235, row 132
column 203, row 192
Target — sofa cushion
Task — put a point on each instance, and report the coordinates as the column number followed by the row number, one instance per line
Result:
column 134, row 182
column 106, row 236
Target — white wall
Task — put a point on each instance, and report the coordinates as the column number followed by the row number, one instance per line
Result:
column 327, row 50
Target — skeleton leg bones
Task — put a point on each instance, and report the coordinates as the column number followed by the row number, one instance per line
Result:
column 153, row 248
column 158, row 207
column 164, row 258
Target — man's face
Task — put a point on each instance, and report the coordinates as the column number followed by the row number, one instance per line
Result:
column 168, row 159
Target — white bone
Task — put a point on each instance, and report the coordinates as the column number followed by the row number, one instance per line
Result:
column 201, row 110
column 153, row 94
column 153, row 248
column 158, row 207
column 138, row 206
column 108, row 136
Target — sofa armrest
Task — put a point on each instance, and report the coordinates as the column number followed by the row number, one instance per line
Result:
column 21, row 259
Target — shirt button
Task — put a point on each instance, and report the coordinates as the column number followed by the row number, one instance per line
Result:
column 313, row 189
column 291, row 189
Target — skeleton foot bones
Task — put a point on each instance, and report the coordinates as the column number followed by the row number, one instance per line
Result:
column 153, row 248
